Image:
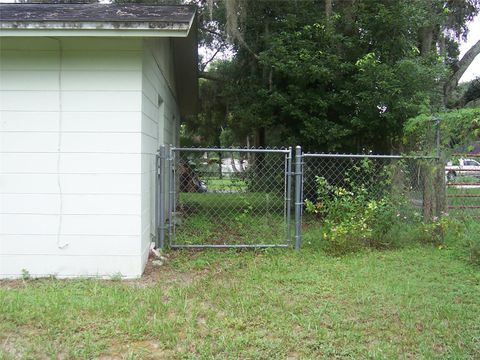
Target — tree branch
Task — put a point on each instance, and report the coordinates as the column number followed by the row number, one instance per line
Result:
column 204, row 65
column 463, row 65
column 209, row 76
column 213, row 32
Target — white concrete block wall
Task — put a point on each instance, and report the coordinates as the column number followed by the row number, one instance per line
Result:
column 159, row 115
column 72, row 146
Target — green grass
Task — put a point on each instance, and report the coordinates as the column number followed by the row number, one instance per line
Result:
column 226, row 183
column 230, row 218
column 239, row 228
column 463, row 197
column 420, row 302
column 228, row 202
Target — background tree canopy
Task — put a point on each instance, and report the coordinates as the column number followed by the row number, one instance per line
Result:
column 333, row 75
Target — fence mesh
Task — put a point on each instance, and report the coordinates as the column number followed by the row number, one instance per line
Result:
column 228, row 197
column 463, row 186
column 240, row 197
column 360, row 199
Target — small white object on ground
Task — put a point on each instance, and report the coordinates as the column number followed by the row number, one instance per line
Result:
column 153, row 251
column 157, row 262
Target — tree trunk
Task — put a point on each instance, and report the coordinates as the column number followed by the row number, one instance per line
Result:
column 348, row 13
column 328, row 8
column 426, row 40
column 463, row 65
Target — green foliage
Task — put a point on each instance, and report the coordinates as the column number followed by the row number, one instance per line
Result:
column 351, row 219
column 347, row 82
column 473, row 244
column 458, row 128
column 26, row 274
column 372, row 210
column 349, row 94
column 466, row 237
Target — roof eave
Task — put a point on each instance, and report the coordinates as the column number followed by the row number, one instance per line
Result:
column 111, row 29
column 186, row 71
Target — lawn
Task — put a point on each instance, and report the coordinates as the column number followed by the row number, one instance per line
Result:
column 216, row 218
column 467, row 197
column 418, row 302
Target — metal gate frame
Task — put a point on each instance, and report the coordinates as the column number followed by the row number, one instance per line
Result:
column 166, row 203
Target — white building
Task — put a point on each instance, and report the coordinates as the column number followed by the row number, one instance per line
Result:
column 87, row 94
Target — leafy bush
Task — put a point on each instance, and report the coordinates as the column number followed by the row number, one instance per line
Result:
column 459, row 129
column 358, row 218
column 351, row 219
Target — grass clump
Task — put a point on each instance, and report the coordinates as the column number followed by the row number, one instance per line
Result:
column 467, row 240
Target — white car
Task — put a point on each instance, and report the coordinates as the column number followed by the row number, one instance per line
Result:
column 465, row 167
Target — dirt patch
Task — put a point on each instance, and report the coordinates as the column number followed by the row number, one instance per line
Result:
column 152, row 276
column 145, row 349
column 11, row 347
column 18, row 344
column 167, row 276
column 12, row 284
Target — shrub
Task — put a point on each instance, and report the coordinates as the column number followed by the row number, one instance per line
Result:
column 356, row 218
column 351, row 218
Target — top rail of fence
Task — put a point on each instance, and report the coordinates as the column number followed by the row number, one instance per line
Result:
column 466, row 155
column 244, row 150
column 368, row 156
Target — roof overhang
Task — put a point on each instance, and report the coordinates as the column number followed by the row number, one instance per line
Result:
column 108, row 20
column 95, row 20
column 186, row 71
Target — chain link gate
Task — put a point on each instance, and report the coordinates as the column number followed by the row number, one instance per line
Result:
column 224, row 197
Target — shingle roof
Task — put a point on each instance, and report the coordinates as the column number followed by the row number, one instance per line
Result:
column 95, row 16
column 95, row 12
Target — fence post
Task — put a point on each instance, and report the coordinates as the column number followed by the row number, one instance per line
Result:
column 298, row 197
column 161, row 197
column 157, row 199
column 171, row 195
column 289, row 195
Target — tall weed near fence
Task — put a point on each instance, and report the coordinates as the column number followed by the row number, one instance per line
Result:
column 355, row 202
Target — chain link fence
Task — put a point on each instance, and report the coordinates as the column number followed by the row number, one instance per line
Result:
column 460, row 152
column 362, row 200
column 463, row 186
column 228, row 198
column 234, row 198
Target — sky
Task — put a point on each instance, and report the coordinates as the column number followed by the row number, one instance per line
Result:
column 473, row 35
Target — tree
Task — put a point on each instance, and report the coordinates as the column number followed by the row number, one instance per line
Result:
column 460, row 69
column 330, row 74
column 337, row 75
